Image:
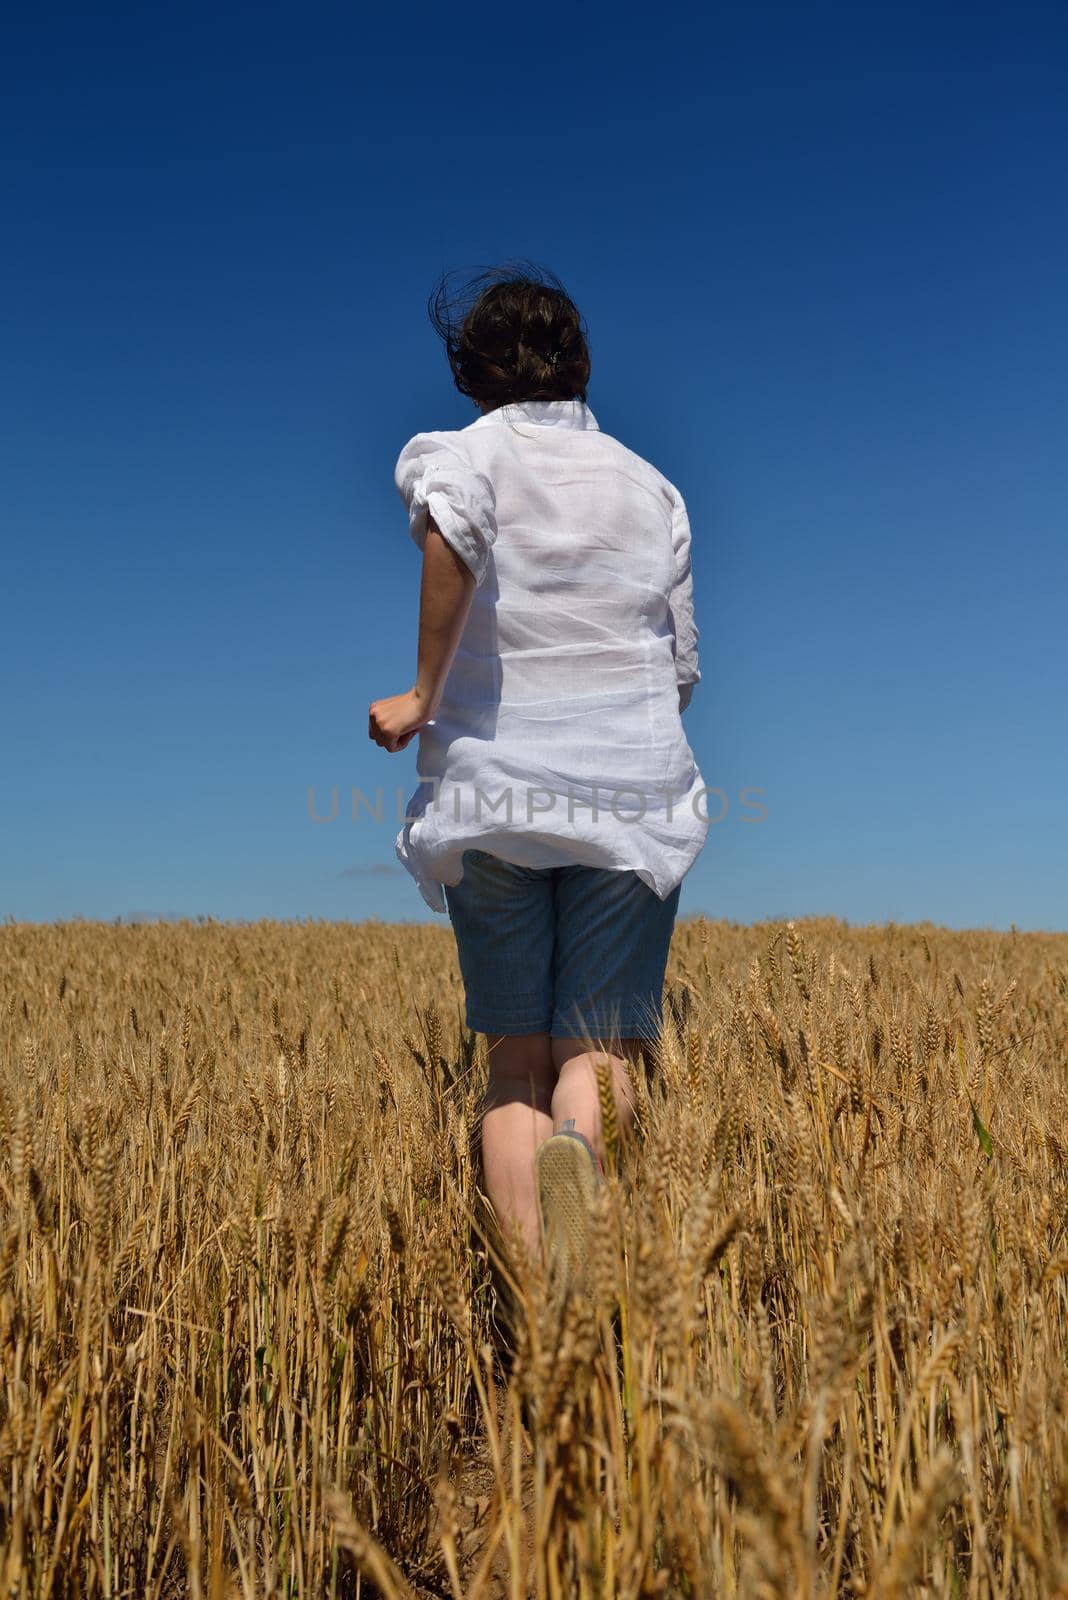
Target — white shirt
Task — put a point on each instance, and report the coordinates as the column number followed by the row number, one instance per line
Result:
column 561, row 708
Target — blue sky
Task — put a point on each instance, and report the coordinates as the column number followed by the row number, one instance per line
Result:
column 821, row 252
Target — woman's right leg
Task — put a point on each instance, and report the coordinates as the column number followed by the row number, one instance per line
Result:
column 612, row 939
column 576, row 1099
column 613, row 935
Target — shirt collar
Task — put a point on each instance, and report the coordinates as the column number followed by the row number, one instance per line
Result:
column 573, row 413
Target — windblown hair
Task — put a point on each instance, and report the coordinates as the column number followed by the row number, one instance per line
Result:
column 512, row 334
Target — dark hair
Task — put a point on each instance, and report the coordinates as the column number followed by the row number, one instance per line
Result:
column 512, row 334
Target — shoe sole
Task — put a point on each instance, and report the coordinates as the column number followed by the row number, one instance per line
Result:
column 567, row 1183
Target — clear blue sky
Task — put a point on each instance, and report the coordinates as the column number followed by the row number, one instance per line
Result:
column 822, row 251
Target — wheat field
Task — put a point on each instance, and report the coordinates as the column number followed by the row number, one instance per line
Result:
column 250, row 1286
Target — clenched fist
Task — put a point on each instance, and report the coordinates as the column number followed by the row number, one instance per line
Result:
column 393, row 722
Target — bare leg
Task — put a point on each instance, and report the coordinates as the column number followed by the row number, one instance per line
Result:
column 517, row 1118
column 575, row 1096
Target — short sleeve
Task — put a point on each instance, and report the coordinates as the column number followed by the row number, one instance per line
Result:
column 687, row 670
column 434, row 475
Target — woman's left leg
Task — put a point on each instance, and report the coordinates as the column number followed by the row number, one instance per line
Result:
column 503, row 918
column 516, row 1120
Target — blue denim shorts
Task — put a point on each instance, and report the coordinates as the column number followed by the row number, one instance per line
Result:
column 578, row 952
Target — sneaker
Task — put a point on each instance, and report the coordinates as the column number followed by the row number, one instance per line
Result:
column 569, row 1174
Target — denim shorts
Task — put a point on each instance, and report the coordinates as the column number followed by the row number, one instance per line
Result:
column 574, row 951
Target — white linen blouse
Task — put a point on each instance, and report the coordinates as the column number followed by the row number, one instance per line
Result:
column 559, row 737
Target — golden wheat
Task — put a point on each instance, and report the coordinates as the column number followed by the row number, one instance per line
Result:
column 252, row 1293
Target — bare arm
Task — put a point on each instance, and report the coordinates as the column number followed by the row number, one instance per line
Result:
column 687, row 638
column 447, row 587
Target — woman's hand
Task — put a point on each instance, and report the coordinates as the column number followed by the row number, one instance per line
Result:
column 445, row 593
column 395, row 721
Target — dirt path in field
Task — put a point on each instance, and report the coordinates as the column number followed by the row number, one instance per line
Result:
column 478, row 1511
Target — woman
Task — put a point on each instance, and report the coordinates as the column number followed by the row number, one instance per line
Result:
column 559, row 805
